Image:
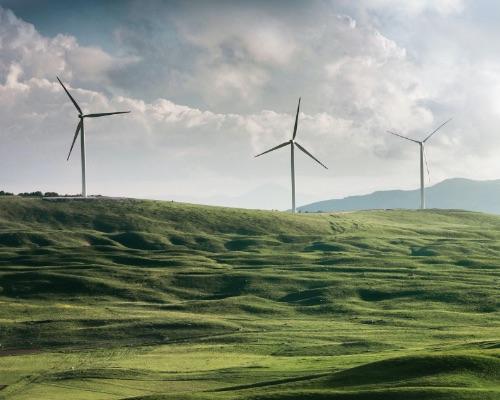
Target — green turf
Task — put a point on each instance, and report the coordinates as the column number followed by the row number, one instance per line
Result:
column 118, row 299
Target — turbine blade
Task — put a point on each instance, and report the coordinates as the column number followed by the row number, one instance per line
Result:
column 274, row 148
column 310, row 155
column 105, row 114
column 296, row 121
column 71, row 97
column 78, row 128
column 427, row 165
column 403, row 137
column 435, row 130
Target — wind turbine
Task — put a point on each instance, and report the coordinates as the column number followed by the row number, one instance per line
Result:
column 421, row 143
column 292, row 144
column 80, row 129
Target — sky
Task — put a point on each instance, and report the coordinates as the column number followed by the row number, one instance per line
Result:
column 212, row 83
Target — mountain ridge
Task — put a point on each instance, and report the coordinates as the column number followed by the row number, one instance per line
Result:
column 454, row 193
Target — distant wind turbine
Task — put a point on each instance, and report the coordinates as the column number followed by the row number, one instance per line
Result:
column 422, row 158
column 292, row 144
column 80, row 129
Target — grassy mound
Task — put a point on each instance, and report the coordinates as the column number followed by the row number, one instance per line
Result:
column 424, row 370
column 390, row 394
column 115, row 299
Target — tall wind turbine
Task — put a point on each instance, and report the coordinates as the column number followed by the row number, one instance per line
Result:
column 80, row 129
column 421, row 143
column 292, row 144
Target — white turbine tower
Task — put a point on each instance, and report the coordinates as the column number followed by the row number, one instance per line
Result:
column 421, row 143
column 292, row 144
column 80, row 129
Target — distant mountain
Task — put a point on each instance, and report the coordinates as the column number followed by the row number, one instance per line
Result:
column 456, row 193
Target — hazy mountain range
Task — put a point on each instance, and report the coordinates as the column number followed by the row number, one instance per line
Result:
column 456, row 193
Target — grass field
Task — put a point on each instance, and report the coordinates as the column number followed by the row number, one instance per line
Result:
column 119, row 299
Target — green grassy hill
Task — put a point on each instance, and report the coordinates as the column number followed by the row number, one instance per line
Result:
column 122, row 299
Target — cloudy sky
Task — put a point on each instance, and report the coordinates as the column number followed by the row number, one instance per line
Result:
column 212, row 83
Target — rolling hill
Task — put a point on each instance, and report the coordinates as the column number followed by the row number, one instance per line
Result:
column 457, row 193
column 135, row 299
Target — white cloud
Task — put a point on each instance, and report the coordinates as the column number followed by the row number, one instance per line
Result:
column 39, row 57
column 415, row 7
column 12, row 78
column 356, row 82
column 236, row 35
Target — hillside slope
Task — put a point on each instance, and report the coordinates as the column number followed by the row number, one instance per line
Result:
column 457, row 193
column 115, row 299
